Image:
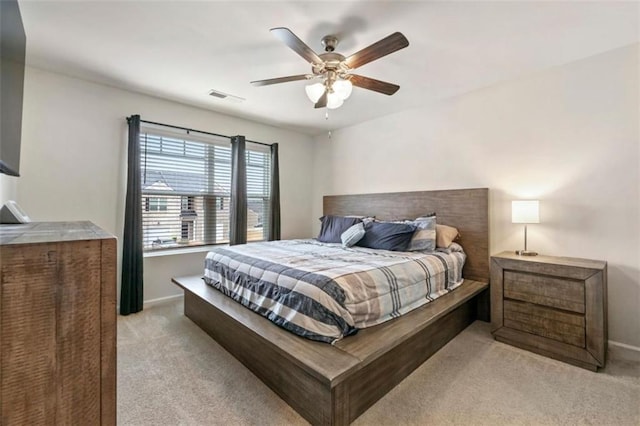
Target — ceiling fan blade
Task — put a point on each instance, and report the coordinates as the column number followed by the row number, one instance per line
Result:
column 322, row 102
column 377, row 50
column 281, row 80
column 290, row 39
column 373, row 84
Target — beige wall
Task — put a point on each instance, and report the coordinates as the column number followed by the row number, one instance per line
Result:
column 567, row 136
column 73, row 162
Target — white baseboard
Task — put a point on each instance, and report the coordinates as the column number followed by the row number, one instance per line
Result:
column 161, row 300
column 154, row 302
column 622, row 351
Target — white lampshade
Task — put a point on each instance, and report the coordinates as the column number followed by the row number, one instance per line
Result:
column 525, row 211
column 334, row 101
column 314, row 91
column 343, row 88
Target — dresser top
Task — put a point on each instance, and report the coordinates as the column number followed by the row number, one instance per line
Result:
column 554, row 260
column 50, row 232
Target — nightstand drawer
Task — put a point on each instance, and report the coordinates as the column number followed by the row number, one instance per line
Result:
column 564, row 327
column 555, row 306
column 545, row 290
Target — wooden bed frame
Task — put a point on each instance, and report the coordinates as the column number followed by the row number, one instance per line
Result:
column 333, row 385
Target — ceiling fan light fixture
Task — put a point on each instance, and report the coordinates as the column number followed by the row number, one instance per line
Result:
column 334, row 69
column 342, row 88
column 334, row 100
column 314, row 91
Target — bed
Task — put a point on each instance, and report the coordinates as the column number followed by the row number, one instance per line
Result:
column 334, row 384
column 325, row 291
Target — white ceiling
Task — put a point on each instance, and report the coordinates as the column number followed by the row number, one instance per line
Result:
column 179, row 50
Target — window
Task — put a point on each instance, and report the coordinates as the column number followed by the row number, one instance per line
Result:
column 186, row 183
column 258, row 191
column 155, row 204
column 187, row 203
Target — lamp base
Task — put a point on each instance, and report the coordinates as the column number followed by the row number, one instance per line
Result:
column 526, row 253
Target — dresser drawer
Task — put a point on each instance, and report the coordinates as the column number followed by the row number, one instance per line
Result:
column 545, row 290
column 564, row 327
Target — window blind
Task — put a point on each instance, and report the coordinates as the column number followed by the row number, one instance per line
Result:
column 258, row 191
column 186, row 190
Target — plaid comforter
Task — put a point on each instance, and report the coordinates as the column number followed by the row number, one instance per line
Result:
column 325, row 291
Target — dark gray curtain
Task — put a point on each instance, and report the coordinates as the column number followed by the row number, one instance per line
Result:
column 131, row 290
column 274, row 212
column 238, row 225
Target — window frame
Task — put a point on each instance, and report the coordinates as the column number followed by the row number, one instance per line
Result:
column 216, row 200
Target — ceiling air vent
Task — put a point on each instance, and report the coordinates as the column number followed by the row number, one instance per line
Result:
column 221, row 95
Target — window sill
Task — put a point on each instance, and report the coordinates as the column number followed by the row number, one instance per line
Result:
column 186, row 250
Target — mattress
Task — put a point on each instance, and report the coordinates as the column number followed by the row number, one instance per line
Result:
column 325, row 291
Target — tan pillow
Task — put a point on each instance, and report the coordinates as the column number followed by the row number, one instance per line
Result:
column 445, row 235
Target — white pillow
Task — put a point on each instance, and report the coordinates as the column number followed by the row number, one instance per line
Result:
column 352, row 235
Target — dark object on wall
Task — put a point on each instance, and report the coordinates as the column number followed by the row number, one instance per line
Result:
column 131, row 287
column 12, row 52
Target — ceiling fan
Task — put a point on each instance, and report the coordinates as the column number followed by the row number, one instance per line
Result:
column 335, row 70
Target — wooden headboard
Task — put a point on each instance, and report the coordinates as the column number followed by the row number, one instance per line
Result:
column 466, row 209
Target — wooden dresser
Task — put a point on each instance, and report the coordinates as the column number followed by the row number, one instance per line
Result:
column 57, row 324
column 554, row 306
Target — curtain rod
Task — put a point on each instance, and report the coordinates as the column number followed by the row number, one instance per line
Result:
column 199, row 131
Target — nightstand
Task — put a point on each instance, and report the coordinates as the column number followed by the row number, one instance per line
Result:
column 554, row 306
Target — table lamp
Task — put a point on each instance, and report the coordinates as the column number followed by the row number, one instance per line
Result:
column 525, row 211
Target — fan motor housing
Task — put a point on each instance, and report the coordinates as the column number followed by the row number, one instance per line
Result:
column 331, row 62
column 330, row 43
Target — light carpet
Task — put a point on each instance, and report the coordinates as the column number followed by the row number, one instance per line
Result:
column 170, row 372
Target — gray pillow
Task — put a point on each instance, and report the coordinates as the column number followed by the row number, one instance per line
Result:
column 387, row 236
column 333, row 227
column 352, row 235
column 424, row 238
